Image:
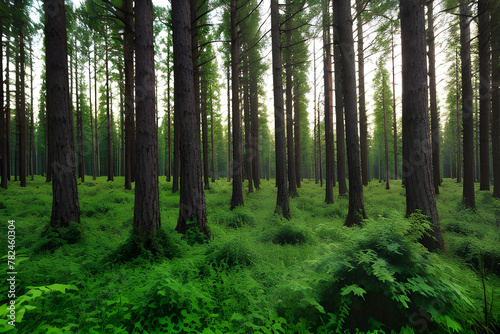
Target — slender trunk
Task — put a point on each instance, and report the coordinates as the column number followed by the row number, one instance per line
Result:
column 228, row 125
column 459, row 158
column 394, row 120
column 339, row 112
column 169, row 144
column 212, row 133
column 435, row 132
column 329, row 149
column 282, row 199
column 319, row 149
column 363, row 129
column 416, row 138
column 248, row 134
column 254, row 111
column 484, row 92
column 237, row 197
column 495, row 106
column 109, row 114
column 65, row 205
column 467, row 109
column 7, row 113
column 292, row 185
column 128, row 48
column 177, row 156
column 32, row 122
column 147, row 203
column 192, row 197
column 204, row 129
column 386, row 144
column 98, row 164
column 316, row 176
column 21, row 109
column 92, row 123
column 346, row 43
column 3, row 123
column 79, row 121
column 296, row 130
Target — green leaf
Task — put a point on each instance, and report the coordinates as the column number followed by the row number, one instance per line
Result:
column 353, row 288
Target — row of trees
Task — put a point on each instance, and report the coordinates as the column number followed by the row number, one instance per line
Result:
column 103, row 39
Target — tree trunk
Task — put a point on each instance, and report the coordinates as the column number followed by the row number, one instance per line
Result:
column 177, row 146
column 386, row 144
column 459, row 159
column 237, row 197
column 296, row 130
column 3, row 123
column 21, row 108
column 212, row 133
column 147, row 202
column 108, row 113
column 192, row 197
column 356, row 211
column 495, row 106
column 394, row 120
column 467, row 109
column 92, row 123
column 363, row 129
column 32, row 121
column 7, row 112
column 416, row 139
column 228, row 125
column 204, row 129
column 128, row 41
column 79, row 122
column 329, row 149
column 292, row 185
column 65, row 205
column 319, row 149
column 98, row 164
column 248, row 134
column 484, row 93
column 435, row 131
column 254, row 111
column 339, row 112
column 282, row 200
column 315, row 138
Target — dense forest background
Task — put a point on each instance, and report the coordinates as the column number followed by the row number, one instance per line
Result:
column 342, row 157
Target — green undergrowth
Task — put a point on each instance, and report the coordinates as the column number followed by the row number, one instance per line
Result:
column 259, row 273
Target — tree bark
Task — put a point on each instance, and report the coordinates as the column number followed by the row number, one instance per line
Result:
column 177, row 145
column 92, row 123
column 327, row 63
column 79, row 122
column 147, row 202
column 386, row 144
column 65, row 205
column 467, row 108
column 394, row 119
column 416, row 139
column 237, row 197
column 3, row 123
column 108, row 113
column 254, row 111
column 228, row 125
column 204, row 130
column 292, row 185
column 282, row 200
column 128, row 49
column 356, row 211
column 484, row 93
column 169, row 124
column 435, row 131
column 296, row 130
column 21, row 107
column 495, row 95
column 192, row 197
column 459, row 159
column 248, row 134
column 363, row 128
column 339, row 110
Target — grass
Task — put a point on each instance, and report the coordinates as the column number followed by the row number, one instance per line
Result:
column 259, row 273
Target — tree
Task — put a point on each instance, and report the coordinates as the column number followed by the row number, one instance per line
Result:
column 495, row 96
column 363, row 126
column 237, row 197
column 3, row 123
column 416, row 138
column 192, row 197
column 282, row 200
column 467, row 109
column 65, row 205
column 435, row 131
column 346, row 44
column 484, row 92
column 128, row 50
column 329, row 148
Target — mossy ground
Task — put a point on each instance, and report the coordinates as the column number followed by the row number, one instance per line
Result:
column 258, row 273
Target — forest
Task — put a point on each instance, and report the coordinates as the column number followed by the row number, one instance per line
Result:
column 250, row 166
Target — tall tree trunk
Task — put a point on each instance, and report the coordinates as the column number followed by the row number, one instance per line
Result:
column 21, row 108
column 128, row 41
column 386, row 144
column 282, row 199
column 169, row 123
column 363, row 128
column 416, row 139
column 65, row 205
column 248, row 134
column 484, row 93
column 339, row 112
column 495, row 106
column 315, row 138
column 356, row 211
column 147, row 202
column 292, row 179
column 192, row 197
column 32, row 121
column 98, row 164
column 459, row 151
column 237, row 197
column 177, row 144
column 394, row 119
column 3, row 123
column 319, row 149
column 329, row 149
column 92, row 122
column 79, row 121
column 212, row 146
column 435, row 131
column 254, row 111
column 467, row 109
column 204, row 129
column 109, row 114
column 296, row 130
column 228, row 125
column 7, row 111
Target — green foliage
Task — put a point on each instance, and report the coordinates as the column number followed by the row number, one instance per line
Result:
column 231, row 253
column 193, row 235
column 289, row 235
column 55, row 237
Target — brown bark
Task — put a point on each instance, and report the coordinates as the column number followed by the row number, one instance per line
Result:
column 147, row 203
column 356, row 211
column 192, row 197
column 128, row 48
column 254, row 115
column 416, row 139
column 435, row 131
column 237, row 197
column 329, row 149
column 386, row 144
column 292, row 185
column 363, row 127
column 282, row 199
column 248, row 134
column 92, row 123
column 79, row 123
column 32, row 121
column 495, row 95
column 484, row 93
column 228, row 125
column 21, row 107
column 339, row 112
column 204, row 135
column 3, row 123
column 394, row 120
column 459, row 151
column 7, row 113
column 65, row 205
column 296, row 130
column 467, row 108
column 108, row 113
column 169, row 123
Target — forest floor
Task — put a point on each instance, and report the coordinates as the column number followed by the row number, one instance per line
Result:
column 259, row 273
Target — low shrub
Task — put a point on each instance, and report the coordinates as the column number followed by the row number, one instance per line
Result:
column 54, row 237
